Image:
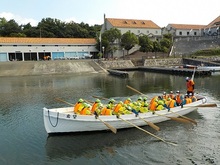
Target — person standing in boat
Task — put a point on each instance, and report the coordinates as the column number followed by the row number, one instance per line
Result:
column 190, row 85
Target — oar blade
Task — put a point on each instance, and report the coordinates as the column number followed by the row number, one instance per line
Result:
column 152, row 125
column 179, row 119
column 113, row 129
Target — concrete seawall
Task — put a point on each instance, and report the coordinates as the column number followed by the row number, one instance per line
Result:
column 26, row 68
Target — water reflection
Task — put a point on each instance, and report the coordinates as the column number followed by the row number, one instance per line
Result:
column 86, row 144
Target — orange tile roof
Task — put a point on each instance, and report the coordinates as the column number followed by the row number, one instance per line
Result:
column 132, row 23
column 214, row 22
column 187, row 26
column 68, row 41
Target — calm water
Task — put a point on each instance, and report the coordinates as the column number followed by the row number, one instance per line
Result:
column 25, row 141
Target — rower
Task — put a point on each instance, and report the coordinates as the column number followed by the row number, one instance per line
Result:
column 78, row 106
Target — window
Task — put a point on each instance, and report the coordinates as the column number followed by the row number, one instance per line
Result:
column 180, row 33
column 187, row 33
column 147, row 31
column 195, row 33
column 156, row 31
column 138, row 31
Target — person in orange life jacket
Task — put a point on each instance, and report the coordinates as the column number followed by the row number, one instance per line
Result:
column 127, row 101
column 190, row 85
column 171, row 103
column 117, row 107
column 78, row 106
column 106, row 110
column 165, row 96
column 192, row 97
column 179, row 98
column 95, row 104
column 86, row 110
column 186, row 100
column 153, row 104
column 171, row 95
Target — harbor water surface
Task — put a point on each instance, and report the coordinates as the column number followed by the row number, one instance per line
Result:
column 25, row 141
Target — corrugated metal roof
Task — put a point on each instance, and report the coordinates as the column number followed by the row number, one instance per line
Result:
column 187, row 26
column 132, row 23
column 68, row 41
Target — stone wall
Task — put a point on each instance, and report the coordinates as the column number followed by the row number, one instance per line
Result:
column 163, row 62
column 116, row 64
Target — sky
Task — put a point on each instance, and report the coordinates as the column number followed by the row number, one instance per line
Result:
column 161, row 12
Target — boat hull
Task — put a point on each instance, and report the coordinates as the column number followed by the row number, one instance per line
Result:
column 63, row 120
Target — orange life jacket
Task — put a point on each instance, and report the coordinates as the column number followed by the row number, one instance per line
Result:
column 106, row 111
column 117, row 107
column 76, row 107
column 172, row 103
column 153, row 106
column 189, row 85
column 178, row 99
column 94, row 107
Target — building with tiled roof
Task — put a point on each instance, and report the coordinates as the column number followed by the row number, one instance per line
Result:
column 26, row 49
column 184, row 30
column 138, row 27
column 213, row 28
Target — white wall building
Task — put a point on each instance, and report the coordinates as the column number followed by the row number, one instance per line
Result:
column 183, row 30
column 26, row 49
column 138, row 27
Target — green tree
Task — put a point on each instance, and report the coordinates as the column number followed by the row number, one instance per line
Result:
column 145, row 43
column 128, row 40
column 165, row 45
column 156, row 46
column 3, row 22
column 10, row 28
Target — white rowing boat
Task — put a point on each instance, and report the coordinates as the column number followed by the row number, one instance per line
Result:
column 64, row 120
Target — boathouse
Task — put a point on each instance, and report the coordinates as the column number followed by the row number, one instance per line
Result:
column 36, row 49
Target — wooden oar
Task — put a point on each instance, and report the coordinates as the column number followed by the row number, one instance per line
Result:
column 113, row 129
column 134, row 89
column 152, row 125
column 194, row 71
column 205, row 105
column 175, row 118
column 102, row 98
column 191, row 120
column 147, row 132
column 58, row 99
